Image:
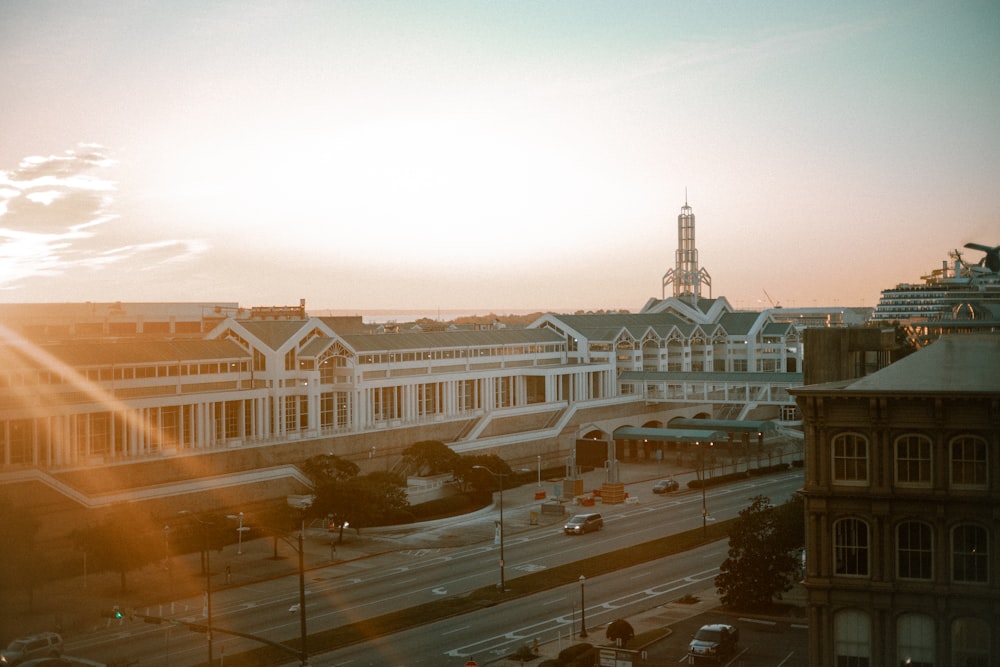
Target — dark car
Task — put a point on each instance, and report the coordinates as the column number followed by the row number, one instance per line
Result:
column 666, row 486
column 583, row 523
column 713, row 642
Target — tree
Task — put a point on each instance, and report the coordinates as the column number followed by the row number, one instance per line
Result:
column 122, row 542
column 22, row 566
column 620, row 631
column 368, row 500
column 326, row 468
column 431, row 457
column 468, row 474
column 762, row 561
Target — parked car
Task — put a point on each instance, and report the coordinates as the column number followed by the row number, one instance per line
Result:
column 713, row 642
column 583, row 523
column 666, row 486
column 42, row 645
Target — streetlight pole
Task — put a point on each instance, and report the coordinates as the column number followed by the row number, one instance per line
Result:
column 208, row 583
column 539, row 471
column 302, row 503
column 499, row 476
column 704, row 502
column 239, row 532
column 583, row 609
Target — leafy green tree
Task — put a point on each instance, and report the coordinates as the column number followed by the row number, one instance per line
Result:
column 762, row 561
column 620, row 631
column 431, row 457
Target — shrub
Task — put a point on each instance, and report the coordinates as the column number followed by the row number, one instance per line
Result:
column 571, row 653
column 524, row 653
column 583, row 660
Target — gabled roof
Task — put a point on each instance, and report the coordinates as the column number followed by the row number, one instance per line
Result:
column 448, row 339
column 121, row 353
column 608, row 326
column 273, row 333
column 739, row 323
column 957, row 363
column 777, row 328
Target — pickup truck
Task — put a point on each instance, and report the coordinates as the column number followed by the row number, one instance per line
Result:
column 713, row 642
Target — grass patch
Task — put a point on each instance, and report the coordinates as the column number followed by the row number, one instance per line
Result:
column 528, row 584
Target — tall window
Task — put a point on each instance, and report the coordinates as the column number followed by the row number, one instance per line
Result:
column 915, row 641
column 326, row 410
column 850, row 458
column 970, row 642
column 467, row 398
column 427, row 399
column 291, row 414
column 970, row 553
column 343, row 408
column 850, row 547
column 913, row 460
column 968, row 462
column 852, row 638
column 170, row 425
column 913, row 550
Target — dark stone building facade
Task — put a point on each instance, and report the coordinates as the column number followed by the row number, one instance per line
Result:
column 902, row 490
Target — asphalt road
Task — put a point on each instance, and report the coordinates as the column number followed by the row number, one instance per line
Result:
column 407, row 577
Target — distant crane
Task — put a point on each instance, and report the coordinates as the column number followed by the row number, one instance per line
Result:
column 773, row 304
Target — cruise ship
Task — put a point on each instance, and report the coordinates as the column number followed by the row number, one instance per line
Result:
column 957, row 292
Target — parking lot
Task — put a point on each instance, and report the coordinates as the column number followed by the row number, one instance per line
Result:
column 763, row 642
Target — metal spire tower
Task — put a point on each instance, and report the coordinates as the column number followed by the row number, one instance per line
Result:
column 686, row 277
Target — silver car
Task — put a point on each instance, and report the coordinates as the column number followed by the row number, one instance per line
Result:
column 42, row 645
column 583, row 523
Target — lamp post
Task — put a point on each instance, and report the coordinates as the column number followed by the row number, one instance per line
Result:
column 302, row 503
column 539, row 471
column 704, row 502
column 208, row 582
column 583, row 609
column 239, row 532
column 499, row 476
column 166, row 546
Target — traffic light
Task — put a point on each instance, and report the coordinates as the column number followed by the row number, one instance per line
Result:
column 116, row 612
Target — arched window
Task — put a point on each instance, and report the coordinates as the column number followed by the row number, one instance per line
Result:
column 850, row 547
column 970, row 554
column 970, row 643
column 913, row 550
column 968, row 462
column 850, row 458
column 913, row 460
column 915, row 641
column 852, row 638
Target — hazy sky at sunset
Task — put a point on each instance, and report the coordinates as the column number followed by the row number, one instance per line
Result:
column 491, row 155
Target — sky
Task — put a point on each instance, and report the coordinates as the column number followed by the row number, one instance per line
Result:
column 491, row 156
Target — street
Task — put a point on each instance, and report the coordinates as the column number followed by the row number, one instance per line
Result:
column 349, row 592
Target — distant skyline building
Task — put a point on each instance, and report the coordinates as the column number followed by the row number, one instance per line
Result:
column 686, row 276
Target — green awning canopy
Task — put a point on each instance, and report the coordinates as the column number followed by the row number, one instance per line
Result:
column 728, row 425
column 669, row 434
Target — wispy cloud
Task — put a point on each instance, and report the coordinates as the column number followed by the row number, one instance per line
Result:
column 56, row 215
